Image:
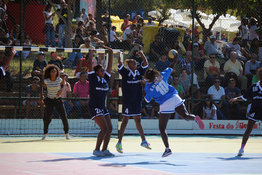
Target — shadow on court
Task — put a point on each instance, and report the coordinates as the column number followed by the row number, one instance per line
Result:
column 239, row 158
column 141, row 163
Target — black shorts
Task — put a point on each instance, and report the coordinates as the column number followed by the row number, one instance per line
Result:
column 97, row 111
column 255, row 116
column 132, row 109
column 1, row 74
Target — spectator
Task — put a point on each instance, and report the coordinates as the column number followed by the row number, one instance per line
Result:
column 150, row 22
column 33, row 90
column 81, row 89
column 106, row 20
column 49, row 29
column 3, row 16
column 234, row 46
column 113, row 103
column 156, row 48
column 91, row 18
column 178, row 87
column 62, row 23
column 128, row 36
column 56, row 61
column 187, row 38
column 83, row 65
column 211, row 47
column 253, row 29
column 185, row 82
column 74, row 57
column 224, row 37
column 195, row 105
column 185, row 63
column 251, row 67
column 233, row 65
column 39, row 65
column 232, row 91
column 87, row 44
column 244, row 31
column 209, row 109
column 84, row 16
column 66, row 92
column 212, row 69
column 114, row 41
column 163, row 63
column 91, row 26
column 125, row 23
column 103, row 34
column 94, row 39
column 217, row 94
column 135, row 21
column 199, row 59
column 149, row 109
column 80, row 29
column 254, row 47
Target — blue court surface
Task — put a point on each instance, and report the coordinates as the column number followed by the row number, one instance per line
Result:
column 181, row 163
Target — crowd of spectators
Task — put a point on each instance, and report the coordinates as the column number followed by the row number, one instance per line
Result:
column 225, row 66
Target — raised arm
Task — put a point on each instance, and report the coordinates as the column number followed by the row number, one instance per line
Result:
column 174, row 61
column 110, row 61
column 145, row 62
column 90, row 59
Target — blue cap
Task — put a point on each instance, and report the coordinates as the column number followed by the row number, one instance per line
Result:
column 40, row 53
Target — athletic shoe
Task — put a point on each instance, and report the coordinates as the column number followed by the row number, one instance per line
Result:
column 199, row 122
column 108, row 153
column 240, row 152
column 119, row 147
column 67, row 137
column 44, row 137
column 98, row 153
column 167, row 152
column 145, row 144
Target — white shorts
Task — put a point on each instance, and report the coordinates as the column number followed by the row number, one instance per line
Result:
column 169, row 106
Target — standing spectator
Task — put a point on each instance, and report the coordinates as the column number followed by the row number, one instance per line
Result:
column 91, row 18
column 49, row 29
column 56, row 61
column 62, row 24
column 128, row 36
column 103, row 34
column 80, row 29
column 224, row 37
column 195, row 105
column 253, row 29
column 178, row 87
column 3, row 16
column 53, row 83
column 251, row 67
column 244, row 31
column 163, row 63
column 212, row 69
column 187, row 38
column 232, row 91
column 199, row 59
column 106, row 20
column 81, row 89
column 39, row 65
column 156, row 48
column 66, row 92
column 211, row 47
column 233, row 65
column 84, row 16
column 217, row 94
column 185, row 82
column 33, row 90
column 209, row 109
column 73, row 58
column 185, row 63
column 83, row 65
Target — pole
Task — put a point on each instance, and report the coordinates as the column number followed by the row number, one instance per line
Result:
column 109, row 28
column 193, row 54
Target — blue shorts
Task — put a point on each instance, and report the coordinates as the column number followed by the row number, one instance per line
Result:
column 97, row 111
column 130, row 110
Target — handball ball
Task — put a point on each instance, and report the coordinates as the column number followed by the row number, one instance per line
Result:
column 172, row 53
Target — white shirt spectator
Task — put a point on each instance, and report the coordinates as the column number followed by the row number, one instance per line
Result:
column 128, row 31
column 216, row 94
column 211, row 48
column 112, row 36
column 244, row 32
column 236, row 48
column 252, row 32
column 47, row 14
column 208, row 111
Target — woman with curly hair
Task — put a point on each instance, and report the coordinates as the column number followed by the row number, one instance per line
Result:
column 54, row 85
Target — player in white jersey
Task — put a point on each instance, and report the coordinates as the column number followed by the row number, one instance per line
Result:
column 54, row 84
column 166, row 95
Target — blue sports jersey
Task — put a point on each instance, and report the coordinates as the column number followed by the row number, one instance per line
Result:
column 131, row 85
column 98, row 88
column 161, row 90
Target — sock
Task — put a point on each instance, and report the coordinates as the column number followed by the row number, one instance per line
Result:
column 243, row 146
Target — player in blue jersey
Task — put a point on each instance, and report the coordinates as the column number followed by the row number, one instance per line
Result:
column 166, row 95
column 254, row 92
column 132, row 97
column 98, row 88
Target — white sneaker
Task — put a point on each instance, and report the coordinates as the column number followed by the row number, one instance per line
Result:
column 108, row 153
column 98, row 153
column 240, row 152
column 44, row 137
column 67, row 137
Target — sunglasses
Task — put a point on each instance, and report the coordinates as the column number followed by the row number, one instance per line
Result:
column 217, row 81
column 212, row 57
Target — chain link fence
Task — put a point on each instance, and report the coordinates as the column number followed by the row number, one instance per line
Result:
column 208, row 38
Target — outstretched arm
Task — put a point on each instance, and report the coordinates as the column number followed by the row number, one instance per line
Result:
column 110, row 61
column 145, row 62
column 239, row 98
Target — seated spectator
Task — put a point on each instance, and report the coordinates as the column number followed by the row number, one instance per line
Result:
column 156, row 48
column 91, row 18
column 80, row 29
column 163, row 63
column 234, row 46
column 106, row 20
column 185, row 82
column 94, row 39
column 125, row 23
column 81, row 89
column 224, row 37
column 83, row 65
column 33, row 90
column 251, row 67
column 232, row 91
column 199, row 58
column 253, row 29
column 209, row 109
column 150, row 22
column 113, row 37
column 195, row 105
column 233, row 65
column 103, row 34
column 128, row 37
column 211, row 47
column 56, row 61
column 254, row 47
column 186, row 63
column 74, row 57
column 217, row 94
column 149, row 109
column 39, row 65
column 5, row 59
column 212, row 69
column 178, row 87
